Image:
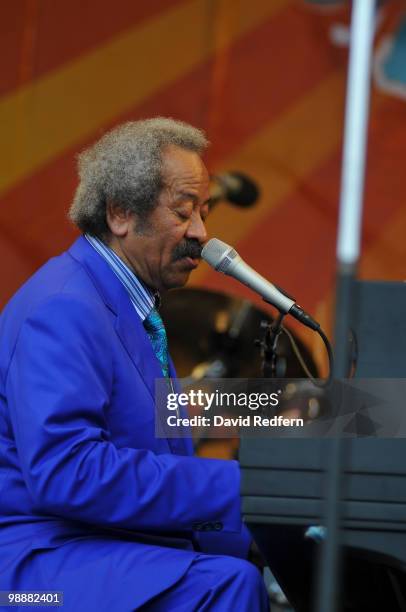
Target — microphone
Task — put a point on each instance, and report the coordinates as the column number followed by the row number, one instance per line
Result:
column 223, row 258
column 235, row 187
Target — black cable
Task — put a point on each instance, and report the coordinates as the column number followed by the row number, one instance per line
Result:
column 328, row 380
column 318, row 383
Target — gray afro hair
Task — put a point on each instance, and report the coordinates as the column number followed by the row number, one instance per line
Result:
column 124, row 167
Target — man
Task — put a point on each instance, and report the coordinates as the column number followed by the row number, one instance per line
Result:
column 91, row 503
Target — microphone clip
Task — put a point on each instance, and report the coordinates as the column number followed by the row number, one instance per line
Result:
column 273, row 365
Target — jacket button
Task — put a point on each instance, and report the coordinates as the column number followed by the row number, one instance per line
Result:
column 218, row 526
column 197, row 526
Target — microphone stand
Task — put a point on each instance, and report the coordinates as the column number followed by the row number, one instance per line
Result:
column 273, row 365
column 348, row 248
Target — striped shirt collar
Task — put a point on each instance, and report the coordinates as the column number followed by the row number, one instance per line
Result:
column 142, row 297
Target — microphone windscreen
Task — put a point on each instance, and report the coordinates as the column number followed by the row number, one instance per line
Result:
column 247, row 192
column 217, row 253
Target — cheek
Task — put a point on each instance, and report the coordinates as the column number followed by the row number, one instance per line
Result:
column 173, row 240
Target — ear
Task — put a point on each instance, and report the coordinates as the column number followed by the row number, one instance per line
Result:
column 118, row 219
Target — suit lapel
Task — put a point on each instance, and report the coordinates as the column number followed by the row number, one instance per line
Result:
column 138, row 345
column 186, row 440
column 132, row 334
column 128, row 326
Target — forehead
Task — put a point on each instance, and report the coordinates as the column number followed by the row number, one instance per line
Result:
column 181, row 167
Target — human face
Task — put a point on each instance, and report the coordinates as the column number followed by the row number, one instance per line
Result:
column 165, row 248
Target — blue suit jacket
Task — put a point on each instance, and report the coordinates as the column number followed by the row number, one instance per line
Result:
column 91, row 502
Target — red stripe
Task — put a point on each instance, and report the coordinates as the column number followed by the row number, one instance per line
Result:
column 58, row 32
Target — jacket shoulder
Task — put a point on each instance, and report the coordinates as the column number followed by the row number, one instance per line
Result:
column 61, row 288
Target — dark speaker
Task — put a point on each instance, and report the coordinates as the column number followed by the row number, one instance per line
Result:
column 378, row 334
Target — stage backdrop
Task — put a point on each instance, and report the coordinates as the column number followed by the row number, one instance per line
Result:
column 265, row 78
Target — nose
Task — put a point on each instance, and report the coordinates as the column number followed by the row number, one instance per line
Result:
column 196, row 228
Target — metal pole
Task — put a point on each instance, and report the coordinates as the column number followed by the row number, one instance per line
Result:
column 348, row 249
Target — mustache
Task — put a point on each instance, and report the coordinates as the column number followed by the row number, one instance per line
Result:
column 188, row 248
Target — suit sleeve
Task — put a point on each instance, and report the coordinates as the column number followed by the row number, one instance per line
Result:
column 59, row 385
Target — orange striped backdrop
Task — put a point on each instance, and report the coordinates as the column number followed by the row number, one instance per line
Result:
column 261, row 76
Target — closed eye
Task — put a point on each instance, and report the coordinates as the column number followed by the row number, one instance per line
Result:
column 182, row 215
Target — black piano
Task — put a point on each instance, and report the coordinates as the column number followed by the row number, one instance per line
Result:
column 283, row 489
column 284, row 483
